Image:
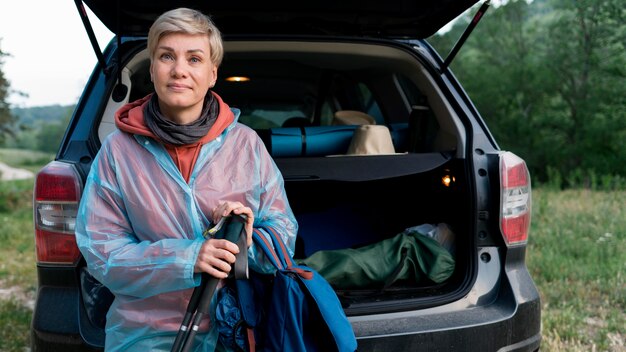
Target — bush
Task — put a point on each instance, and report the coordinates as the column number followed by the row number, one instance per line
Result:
column 15, row 194
column 582, row 179
column 555, row 181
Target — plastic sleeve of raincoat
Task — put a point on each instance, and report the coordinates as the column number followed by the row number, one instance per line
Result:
column 113, row 253
column 274, row 211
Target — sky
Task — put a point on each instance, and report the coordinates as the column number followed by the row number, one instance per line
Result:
column 51, row 57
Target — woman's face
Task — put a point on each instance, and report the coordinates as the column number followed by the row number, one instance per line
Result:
column 182, row 73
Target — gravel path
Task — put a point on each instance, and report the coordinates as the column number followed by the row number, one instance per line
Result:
column 9, row 173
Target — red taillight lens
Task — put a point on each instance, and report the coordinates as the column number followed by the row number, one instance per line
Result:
column 57, row 194
column 515, row 196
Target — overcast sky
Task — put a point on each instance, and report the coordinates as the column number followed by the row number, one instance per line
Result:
column 51, row 57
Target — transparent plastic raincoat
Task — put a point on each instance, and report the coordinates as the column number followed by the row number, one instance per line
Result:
column 140, row 227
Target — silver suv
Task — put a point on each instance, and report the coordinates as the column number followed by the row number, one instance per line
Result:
column 310, row 77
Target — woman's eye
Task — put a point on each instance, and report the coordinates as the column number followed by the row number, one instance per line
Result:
column 166, row 56
column 195, row 59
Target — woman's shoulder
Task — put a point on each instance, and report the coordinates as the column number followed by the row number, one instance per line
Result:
column 238, row 128
column 244, row 128
column 244, row 135
column 118, row 140
column 116, row 136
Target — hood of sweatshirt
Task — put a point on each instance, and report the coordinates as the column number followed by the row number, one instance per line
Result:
column 130, row 118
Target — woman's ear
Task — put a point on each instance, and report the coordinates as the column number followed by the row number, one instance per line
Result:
column 151, row 73
column 214, row 76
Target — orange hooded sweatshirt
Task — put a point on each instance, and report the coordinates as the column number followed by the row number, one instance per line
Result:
column 130, row 119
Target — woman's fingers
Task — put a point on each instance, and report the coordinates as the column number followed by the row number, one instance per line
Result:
column 211, row 270
column 227, row 207
column 249, row 221
column 216, row 257
column 224, row 209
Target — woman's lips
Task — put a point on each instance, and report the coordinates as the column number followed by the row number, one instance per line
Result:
column 178, row 86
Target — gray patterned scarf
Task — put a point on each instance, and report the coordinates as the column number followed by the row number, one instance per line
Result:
column 175, row 134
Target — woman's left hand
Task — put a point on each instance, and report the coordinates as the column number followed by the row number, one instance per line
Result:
column 225, row 208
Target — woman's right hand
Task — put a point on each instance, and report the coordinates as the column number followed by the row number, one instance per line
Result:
column 216, row 257
column 226, row 208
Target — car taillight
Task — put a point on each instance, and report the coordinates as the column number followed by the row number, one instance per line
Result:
column 56, row 197
column 515, row 198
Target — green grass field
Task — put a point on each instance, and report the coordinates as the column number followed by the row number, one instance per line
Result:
column 17, row 263
column 18, row 279
column 576, row 256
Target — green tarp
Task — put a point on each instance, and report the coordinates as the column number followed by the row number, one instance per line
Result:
column 409, row 257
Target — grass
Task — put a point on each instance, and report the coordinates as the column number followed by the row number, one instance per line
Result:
column 17, row 263
column 575, row 254
column 18, row 279
column 15, row 319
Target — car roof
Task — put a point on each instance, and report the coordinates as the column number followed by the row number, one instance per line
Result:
column 392, row 18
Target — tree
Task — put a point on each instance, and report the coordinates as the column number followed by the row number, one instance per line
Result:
column 504, row 76
column 586, row 51
column 548, row 78
column 50, row 134
column 7, row 120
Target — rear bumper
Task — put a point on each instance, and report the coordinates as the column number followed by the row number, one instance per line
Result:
column 520, row 332
column 59, row 320
column 55, row 323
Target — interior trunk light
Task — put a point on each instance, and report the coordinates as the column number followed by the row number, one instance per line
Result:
column 515, row 198
column 448, row 180
column 237, row 79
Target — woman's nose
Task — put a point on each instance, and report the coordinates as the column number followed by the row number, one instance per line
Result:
column 179, row 69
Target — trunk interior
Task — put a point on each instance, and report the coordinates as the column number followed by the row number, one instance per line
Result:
column 335, row 214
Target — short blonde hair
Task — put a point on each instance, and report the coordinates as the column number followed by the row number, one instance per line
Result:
column 188, row 21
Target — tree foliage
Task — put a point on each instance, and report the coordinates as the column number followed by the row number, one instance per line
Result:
column 41, row 127
column 7, row 120
column 548, row 77
column 50, row 134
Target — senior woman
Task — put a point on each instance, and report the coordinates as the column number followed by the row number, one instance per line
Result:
column 178, row 163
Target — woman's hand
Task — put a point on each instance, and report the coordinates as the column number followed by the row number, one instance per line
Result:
column 227, row 207
column 216, row 257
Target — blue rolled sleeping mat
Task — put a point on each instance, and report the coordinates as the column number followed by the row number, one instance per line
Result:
column 310, row 140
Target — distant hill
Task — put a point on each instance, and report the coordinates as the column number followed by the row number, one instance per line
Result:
column 38, row 115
